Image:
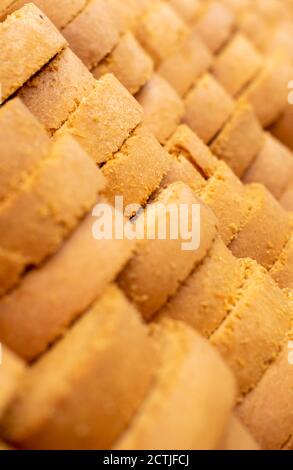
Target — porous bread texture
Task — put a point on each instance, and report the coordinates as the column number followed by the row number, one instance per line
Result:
column 40, row 41
column 50, row 298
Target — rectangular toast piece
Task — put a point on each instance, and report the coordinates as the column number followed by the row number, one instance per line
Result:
column 84, row 391
column 51, row 297
column 104, row 119
column 23, row 145
column 192, row 387
column 28, row 40
column 11, row 373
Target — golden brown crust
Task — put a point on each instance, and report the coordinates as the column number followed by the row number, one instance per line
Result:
column 51, row 297
column 255, row 27
column 86, row 401
column 4, row 6
column 104, row 119
column 40, row 42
